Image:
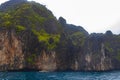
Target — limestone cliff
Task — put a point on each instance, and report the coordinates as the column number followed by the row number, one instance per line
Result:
column 31, row 38
column 11, row 55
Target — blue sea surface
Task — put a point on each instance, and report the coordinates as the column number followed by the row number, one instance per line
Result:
column 113, row 75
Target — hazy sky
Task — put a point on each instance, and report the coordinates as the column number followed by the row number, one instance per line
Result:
column 93, row 15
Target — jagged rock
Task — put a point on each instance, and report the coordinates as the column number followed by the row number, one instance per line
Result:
column 62, row 21
column 109, row 33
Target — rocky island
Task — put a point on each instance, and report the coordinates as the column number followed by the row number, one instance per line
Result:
column 31, row 38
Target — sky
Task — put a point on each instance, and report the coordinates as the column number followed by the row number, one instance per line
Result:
column 93, row 15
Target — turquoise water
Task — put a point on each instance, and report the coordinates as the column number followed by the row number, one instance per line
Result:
column 115, row 75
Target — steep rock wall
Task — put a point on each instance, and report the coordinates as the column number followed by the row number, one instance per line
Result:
column 11, row 56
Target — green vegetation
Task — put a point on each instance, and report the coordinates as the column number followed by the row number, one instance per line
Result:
column 27, row 14
column 118, row 54
column 78, row 38
column 108, row 47
column 32, row 16
column 30, row 59
column 19, row 28
column 48, row 40
column 6, row 20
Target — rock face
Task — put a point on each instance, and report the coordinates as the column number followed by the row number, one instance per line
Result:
column 31, row 38
column 11, row 56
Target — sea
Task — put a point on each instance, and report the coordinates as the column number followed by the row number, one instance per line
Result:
column 112, row 75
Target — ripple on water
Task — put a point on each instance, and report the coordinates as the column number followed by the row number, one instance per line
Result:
column 114, row 75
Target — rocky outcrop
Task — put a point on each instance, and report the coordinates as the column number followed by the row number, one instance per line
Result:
column 31, row 38
column 47, row 61
column 11, row 55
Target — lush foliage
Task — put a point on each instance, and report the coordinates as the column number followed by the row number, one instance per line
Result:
column 28, row 14
column 20, row 28
column 78, row 38
column 48, row 40
column 6, row 20
column 31, row 16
